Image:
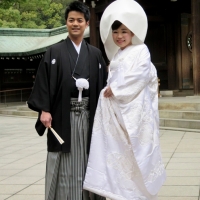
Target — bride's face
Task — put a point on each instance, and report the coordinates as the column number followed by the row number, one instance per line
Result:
column 122, row 37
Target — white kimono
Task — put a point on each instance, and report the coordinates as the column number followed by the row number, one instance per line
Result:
column 125, row 161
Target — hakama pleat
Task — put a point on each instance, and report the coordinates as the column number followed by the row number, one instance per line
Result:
column 65, row 171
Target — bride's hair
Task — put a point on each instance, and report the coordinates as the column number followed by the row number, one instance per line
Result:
column 116, row 24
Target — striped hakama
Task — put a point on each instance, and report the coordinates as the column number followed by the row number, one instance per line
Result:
column 65, row 172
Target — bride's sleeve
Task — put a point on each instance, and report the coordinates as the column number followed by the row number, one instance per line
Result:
column 135, row 80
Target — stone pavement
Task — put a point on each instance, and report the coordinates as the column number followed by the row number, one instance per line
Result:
column 23, row 155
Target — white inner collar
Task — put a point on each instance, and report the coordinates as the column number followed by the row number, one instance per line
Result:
column 77, row 47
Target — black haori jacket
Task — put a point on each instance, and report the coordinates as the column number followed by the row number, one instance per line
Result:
column 51, row 92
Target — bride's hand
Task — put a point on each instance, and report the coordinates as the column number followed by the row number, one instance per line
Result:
column 108, row 92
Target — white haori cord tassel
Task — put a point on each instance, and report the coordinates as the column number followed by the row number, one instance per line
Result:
column 56, row 135
column 81, row 83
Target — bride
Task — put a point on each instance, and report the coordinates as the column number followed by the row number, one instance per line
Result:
column 125, row 161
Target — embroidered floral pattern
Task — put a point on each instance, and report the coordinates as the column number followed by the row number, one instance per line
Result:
column 134, row 115
column 97, row 120
column 125, row 164
column 156, row 171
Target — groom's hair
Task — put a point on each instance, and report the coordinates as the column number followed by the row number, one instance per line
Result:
column 79, row 7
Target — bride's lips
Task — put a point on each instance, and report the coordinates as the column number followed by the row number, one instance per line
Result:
column 120, row 41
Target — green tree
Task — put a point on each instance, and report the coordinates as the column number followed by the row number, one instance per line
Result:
column 52, row 15
column 30, row 20
column 10, row 18
column 5, row 4
column 65, row 3
column 32, row 14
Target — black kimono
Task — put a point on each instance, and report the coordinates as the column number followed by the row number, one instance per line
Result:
column 54, row 87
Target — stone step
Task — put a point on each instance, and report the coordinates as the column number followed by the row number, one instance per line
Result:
column 183, row 93
column 179, row 106
column 23, row 108
column 180, row 123
column 176, row 114
column 15, row 112
column 179, row 129
column 12, row 104
column 176, row 93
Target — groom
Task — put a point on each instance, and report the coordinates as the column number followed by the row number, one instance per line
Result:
column 55, row 98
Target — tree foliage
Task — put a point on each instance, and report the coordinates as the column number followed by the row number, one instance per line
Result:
column 10, row 18
column 32, row 14
column 5, row 4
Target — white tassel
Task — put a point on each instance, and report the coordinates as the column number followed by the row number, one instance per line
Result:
column 81, row 84
column 80, row 94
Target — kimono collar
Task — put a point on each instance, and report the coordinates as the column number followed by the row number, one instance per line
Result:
column 122, row 53
column 77, row 47
column 117, row 65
